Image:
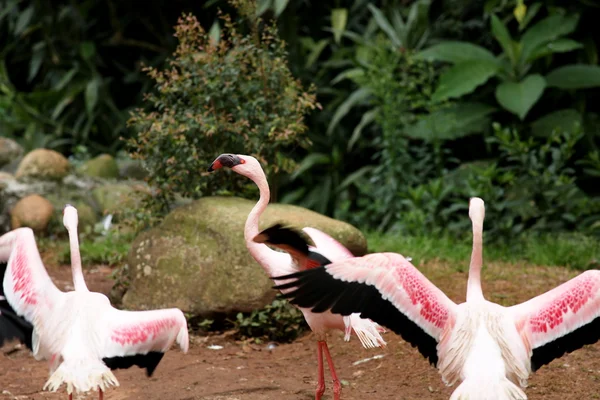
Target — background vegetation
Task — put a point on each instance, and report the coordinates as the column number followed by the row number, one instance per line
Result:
column 387, row 114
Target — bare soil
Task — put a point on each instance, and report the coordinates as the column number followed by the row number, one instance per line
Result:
column 243, row 370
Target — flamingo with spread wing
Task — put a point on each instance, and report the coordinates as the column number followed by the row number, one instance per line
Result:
column 278, row 263
column 490, row 349
column 79, row 332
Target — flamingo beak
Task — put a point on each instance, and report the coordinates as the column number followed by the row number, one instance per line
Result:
column 226, row 160
column 215, row 165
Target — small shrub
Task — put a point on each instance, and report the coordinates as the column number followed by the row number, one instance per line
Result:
column 232, row 93
column 110, row 249
column 279, row 321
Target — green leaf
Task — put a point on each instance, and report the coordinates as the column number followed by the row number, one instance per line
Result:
column 87, row 50
column 562, row 120
column 316, row 52
column 575, row 76
column 455, row 52
column 36, row 60
column 66, row 78
column 546, row 30
column 215, row 33
column 91, row 94
column 532, row 11
column 463, row 78
column 453, row 122
column 262, row 6
column 557, row 46
column 503, row 37
column 365, row 120
column 385, row 25
column 354, row 99
column 351, row 74
column 339, row 18
column 280, row 6
column 518, row 98
column 310, row 161
column 23, row 21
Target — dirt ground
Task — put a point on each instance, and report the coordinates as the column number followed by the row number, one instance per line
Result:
column 244, row 371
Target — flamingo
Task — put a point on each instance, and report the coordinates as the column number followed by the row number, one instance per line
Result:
column 279, row 263
column 79, row 332
column 489, row 348
column 12, row 327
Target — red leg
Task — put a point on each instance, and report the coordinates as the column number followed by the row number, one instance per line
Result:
column 100, row 394
column 337, row 385
column 71, row 396
column 321, row 372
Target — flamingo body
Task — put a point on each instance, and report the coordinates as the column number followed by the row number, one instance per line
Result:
column 490, row 349
column 280, row 263
column 79, row 332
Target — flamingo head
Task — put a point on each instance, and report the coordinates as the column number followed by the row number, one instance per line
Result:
column 476, row 209
column 70, row 217
column 242, row 164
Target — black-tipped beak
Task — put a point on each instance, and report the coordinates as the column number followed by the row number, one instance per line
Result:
column 225, row 160
column 213, row 166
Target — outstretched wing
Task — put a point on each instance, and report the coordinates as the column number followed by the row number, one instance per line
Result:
column 27, row 287
column 383, row 287
column 142, row 337
column 561, row 320
column 327, row 246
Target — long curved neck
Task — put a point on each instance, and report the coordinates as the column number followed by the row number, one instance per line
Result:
column 269, row 259
column 76, row 269
column 474, row 291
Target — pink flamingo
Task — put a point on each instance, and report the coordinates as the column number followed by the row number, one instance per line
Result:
column 12, row 327
column 79, row 332
column 490, row 349
column 278, row 263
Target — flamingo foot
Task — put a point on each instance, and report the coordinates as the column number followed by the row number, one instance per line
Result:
column 337, row 385
column 321, row 372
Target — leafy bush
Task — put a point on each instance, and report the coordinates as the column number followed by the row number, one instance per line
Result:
column 110, row 249
column 223, row 92
column 278, row 321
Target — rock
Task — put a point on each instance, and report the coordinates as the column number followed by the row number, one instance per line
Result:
column 5, row 177
column 9, row 151
column 196, row 259
column 115, row 198
column 133, row 169
column 43, row 164
column 32, row 211
column 103, row 166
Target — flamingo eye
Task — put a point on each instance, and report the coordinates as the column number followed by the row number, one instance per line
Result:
column 242, row 161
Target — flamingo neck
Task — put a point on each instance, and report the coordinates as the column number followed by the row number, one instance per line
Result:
column 474, row 291
column 76, row 269
column 269, row 259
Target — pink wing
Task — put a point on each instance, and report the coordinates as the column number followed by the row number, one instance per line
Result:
column 561, row 320
column 384, row 287
column 140, row 332
column 27, row 286
column 328, row 246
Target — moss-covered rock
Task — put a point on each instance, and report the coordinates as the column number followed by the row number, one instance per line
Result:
column 103, row 166
column 197, row 258
column 9, row 151
column 43, row 164
column 114, row 198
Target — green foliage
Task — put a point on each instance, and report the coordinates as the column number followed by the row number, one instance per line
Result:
column 110, row 249
column 235, row 95
column 570, row 250
column 278, row 321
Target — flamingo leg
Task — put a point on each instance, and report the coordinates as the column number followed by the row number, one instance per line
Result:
column 337, row 385
column 70, row 396
column 100, row 394
column 321, row 372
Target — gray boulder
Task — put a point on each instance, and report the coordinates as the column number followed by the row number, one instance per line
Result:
column 9, row 151
column 43, row 164
column 103, row 166
column 196, row 259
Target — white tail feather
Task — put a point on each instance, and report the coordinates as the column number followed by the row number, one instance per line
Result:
column 366, row 330
column 475, row 389
column 81, row 376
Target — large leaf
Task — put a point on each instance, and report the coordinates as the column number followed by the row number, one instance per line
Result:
column 562, row 120
column 280, row 6
column 310, row 161
column 556, row 46
column 452, row 122
column 417, row 23
column 575, row 76
column 315, row 52
column 518, row 98
column 503, row 37
column 357, row 97
column 91, row 94
column 339, row 18
column 455, row 52
column 545, row 31
column 385, row 26
column 463, row 78
column 365, row 120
